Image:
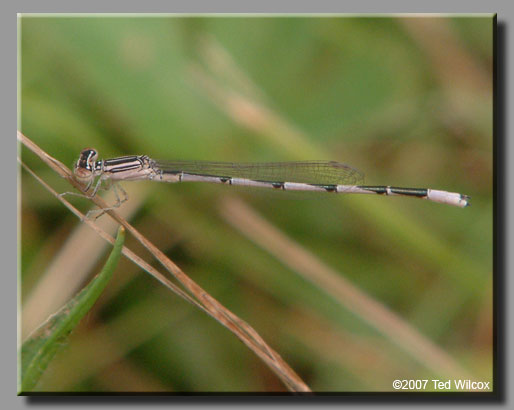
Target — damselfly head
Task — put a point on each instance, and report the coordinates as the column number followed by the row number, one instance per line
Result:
column 85, row 165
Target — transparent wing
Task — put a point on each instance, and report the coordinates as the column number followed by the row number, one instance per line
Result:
column 309, row 172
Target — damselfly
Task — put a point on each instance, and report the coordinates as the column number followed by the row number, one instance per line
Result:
column 318, row 176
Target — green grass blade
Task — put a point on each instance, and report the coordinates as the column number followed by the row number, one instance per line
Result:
column 39, row 349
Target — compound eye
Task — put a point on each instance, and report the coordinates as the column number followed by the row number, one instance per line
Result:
column 85, row 165
column 89, row 154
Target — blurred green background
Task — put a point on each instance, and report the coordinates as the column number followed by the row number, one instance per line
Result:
column 408, row 101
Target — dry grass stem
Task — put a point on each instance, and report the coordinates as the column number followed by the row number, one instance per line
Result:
column 69, row 269
column 197, row 296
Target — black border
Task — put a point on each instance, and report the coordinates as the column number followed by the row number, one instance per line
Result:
column 498, row 395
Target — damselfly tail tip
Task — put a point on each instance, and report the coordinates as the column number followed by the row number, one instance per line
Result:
column 466, row 199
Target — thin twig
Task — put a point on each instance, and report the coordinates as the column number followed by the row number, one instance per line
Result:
column 126, row 251
column 199, row 297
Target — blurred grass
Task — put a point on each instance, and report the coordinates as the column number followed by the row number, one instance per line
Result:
column 43, row 344
column 377, row 93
